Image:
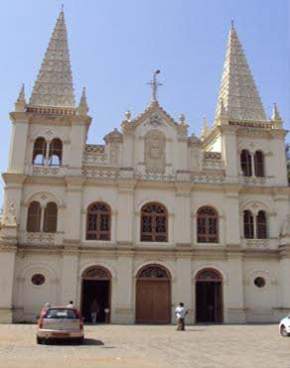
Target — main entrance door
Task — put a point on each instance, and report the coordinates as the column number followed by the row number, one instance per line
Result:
column 208, row 296
column 153, row 299
column 96, row 294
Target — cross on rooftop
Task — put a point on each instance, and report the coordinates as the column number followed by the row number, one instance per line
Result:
column 155, row 84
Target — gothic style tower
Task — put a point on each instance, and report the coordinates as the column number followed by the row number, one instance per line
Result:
column 48, row 139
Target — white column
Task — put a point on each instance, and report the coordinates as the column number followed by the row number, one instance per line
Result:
column 73, row 223
column 229, row 151
column 183, row 220
column 69, row 277
column 234, row 311
column 125, row 211
column 233, row 236
column 7, row 264
column 184, row 287
column 18, row 143
column 123, row 295
column 284, row 277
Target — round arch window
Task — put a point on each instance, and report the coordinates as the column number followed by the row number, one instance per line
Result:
column 38, row 279
column 260, row 282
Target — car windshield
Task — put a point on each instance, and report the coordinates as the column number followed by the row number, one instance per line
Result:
column 65, row 313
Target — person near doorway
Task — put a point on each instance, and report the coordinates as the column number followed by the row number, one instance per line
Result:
column 70, row 304
column 45, row 308
column 180, row 313
column 95, row 309
column 107, row 315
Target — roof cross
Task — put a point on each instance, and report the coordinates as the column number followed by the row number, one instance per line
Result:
column 155, row 84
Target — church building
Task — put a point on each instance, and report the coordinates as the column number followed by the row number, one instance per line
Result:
column 152, row 217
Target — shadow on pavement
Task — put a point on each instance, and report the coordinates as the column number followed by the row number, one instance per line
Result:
column 93, row 342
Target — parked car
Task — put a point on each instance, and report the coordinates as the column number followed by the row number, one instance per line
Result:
column 60, row 323
column 284, row 326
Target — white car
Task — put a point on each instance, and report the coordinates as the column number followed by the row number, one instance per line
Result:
column 60, row 323
column 284, row 326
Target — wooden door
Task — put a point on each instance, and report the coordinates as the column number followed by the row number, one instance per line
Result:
column 153, row 301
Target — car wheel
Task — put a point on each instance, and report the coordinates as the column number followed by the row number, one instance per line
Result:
column 283, row 331
column 80, row 341
column 39, row 340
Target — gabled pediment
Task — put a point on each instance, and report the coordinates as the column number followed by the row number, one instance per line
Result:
column 154, row 115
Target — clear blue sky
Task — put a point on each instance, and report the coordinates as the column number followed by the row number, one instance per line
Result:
column 116, row 45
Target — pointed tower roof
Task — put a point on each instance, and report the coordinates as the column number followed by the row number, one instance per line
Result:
column 275, row 113
column 20, row 103
column 54, row 85
column 83, row 108
column 238, row 90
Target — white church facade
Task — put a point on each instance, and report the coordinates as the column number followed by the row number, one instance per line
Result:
column 152, row 217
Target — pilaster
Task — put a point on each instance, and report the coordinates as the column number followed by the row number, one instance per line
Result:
column 184, row 287
column 7, row 265
column 123, row 293
column 234, row 311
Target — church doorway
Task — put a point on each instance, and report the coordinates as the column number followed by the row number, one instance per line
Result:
column 96, row 294
column 153, row 295
column 208, row 296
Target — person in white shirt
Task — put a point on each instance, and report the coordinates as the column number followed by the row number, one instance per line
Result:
column 180, row 313
column 70, row 304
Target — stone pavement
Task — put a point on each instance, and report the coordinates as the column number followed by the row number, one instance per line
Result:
column 113, row 346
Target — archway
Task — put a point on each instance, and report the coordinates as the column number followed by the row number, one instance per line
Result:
column 153, row 295
column 96, row 294
column 208, row 296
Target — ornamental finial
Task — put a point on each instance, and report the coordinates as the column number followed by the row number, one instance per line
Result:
column 155, row 84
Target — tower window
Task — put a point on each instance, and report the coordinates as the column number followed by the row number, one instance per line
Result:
column 246, row 164
column 39, row 151
column 259, row 164
column 55, row 152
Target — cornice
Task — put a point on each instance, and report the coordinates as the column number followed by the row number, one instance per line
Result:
column 13, row 178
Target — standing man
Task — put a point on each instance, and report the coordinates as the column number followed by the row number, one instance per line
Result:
column 180, row 317
column 95, row 309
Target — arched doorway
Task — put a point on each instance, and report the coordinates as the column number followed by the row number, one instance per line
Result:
column 96, row 294
column 153, row 295
column 209, row 296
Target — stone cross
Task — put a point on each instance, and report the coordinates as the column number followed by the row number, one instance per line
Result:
column 155, row 84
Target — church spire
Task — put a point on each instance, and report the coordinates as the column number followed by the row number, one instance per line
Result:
column 20, row 103
column 54, row 85
column 83, row 108
column 238, row 90
column 276, row 117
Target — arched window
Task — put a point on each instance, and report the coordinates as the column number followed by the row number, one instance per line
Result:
column 33, row 217
column 207, row 225
column 209, row 275
column 55, row 152
column 39, row 151
column 259, row 164
column 99, row 222
column 248, row 225
column 50, row 218
column 261, row 224
column 153, row 272
column 154, row 223
column 246, row 164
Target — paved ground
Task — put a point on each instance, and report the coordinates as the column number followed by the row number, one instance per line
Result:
column 112, row 346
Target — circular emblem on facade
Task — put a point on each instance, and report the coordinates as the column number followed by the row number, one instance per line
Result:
column 260, row 282
column 38, row 279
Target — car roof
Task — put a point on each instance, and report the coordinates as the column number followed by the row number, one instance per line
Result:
column 61, row 307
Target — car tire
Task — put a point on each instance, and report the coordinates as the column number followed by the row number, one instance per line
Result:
column 80, row 341
column 39, row 340
column 283, row 331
